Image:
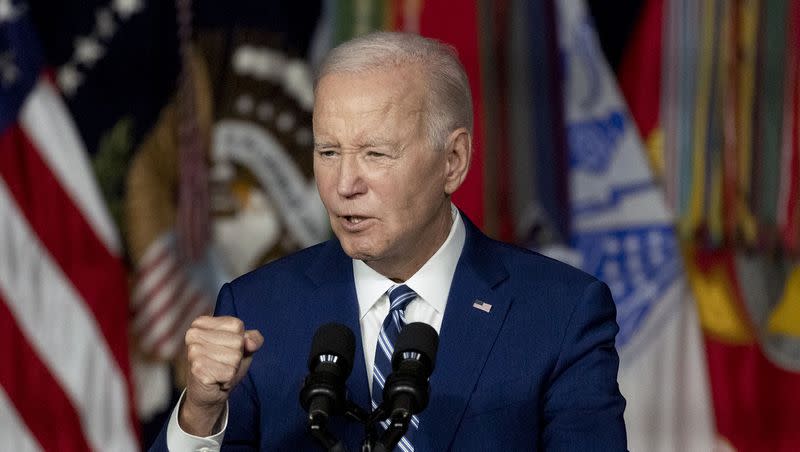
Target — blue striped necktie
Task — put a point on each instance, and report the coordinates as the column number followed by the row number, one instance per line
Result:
column 399, row 297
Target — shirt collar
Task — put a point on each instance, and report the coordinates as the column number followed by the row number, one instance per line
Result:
column 431, row 282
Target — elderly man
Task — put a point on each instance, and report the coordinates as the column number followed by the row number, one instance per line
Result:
column 526, row 357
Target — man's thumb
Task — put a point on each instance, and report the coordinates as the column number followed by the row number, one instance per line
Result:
column 253, row 340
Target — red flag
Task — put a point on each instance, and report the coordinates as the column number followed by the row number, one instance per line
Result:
column 460, row 29
column 756, row 402
column 640, row 69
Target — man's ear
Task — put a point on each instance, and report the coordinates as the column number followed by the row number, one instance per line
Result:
column 458, row 154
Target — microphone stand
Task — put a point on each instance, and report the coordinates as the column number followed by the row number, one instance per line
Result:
column 370, row 432
column 398, row 426
column 399, row 421
column 318, row 426
column 355, row 412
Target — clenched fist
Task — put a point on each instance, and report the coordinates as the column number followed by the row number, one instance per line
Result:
column 220, row 352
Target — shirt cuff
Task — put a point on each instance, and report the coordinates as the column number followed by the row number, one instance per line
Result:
column 180, row 441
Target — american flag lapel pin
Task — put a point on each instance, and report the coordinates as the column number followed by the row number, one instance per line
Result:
column 482, row 305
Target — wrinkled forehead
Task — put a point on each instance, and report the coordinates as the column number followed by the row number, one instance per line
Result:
column 387, row 93
column 400, row 82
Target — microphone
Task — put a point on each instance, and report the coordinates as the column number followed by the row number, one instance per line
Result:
column 407, row 388
column 329, row 363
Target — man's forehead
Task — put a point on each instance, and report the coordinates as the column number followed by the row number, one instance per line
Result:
column 393, row 78
column 369, row 94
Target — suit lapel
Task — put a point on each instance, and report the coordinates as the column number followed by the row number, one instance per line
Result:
column 336, row 295
column 466, row 337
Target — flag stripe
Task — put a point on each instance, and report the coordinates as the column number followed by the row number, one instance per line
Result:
column 175, row 321
column 163, row 321
column 45, row 119
column 14, row 434
column 156, row 270
column 167, row 345
column 42, row 299
column 94, row 272
column 154, row 285
column 161, row 302
column 788, row 187
column 32, row 386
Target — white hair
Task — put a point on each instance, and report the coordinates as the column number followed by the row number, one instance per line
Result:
column 449, row 103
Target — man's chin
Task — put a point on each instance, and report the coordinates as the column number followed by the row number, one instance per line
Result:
column 357, row 253
column 364, row 248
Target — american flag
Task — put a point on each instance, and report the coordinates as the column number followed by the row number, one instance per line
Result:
column 64, row 366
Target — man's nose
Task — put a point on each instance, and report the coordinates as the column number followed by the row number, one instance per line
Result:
column 351, row 181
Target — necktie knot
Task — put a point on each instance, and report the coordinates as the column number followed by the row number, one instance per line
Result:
column 399, row 297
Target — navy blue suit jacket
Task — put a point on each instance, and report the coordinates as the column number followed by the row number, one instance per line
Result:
column 537, row 372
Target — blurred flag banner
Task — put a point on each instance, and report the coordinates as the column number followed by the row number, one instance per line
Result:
column 622, row 232
column 64, row 370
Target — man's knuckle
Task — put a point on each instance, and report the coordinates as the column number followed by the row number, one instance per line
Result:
column 236, row 325
column 229, row 373
column 193, row 351
column 196, row 367
column 239, row 355
column 190, row 336
column 207, row 380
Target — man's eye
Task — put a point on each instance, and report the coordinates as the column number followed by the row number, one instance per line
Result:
column 326, row 153
column 375, row 154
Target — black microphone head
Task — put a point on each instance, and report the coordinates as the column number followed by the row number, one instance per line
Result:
column 333, row 339
column 407, row 389
column 418, row 338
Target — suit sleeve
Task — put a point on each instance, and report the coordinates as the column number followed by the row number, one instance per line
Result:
column 243, row 432
column 583, row 407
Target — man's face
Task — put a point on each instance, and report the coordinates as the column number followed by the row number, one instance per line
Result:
column 383, row 184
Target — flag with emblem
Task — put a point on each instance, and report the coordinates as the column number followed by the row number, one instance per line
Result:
column 622, row 232
column 64, row 367
column 239, row 127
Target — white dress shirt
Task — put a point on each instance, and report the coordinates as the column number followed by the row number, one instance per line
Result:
column 431, row 283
